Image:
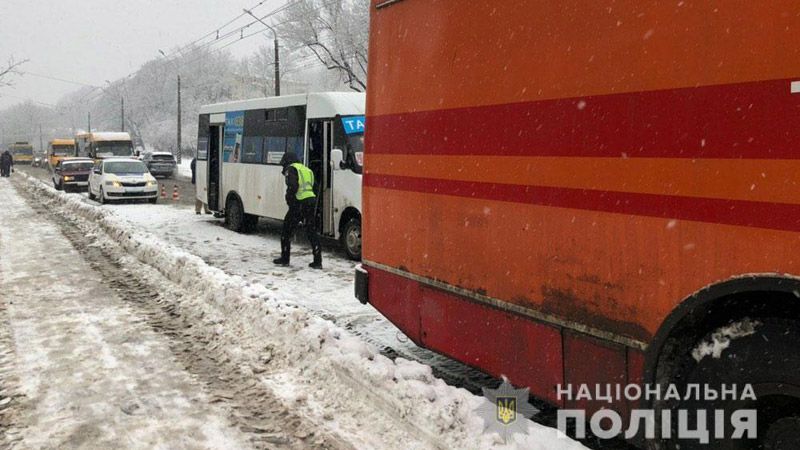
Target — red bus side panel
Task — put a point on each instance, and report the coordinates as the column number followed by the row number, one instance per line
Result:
column 528, row 352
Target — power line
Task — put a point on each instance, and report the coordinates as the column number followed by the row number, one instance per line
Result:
column 29, row 100
column 218, row 29
column 63, row 80
column 240, row 31
column 219, row 39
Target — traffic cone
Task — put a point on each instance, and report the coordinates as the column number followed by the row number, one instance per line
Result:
column 175, row 195
column 163, row 191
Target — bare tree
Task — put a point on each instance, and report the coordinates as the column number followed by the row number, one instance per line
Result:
column 335, row 33
column 11, row 68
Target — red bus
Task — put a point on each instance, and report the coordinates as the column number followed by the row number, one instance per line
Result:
column 591, row 193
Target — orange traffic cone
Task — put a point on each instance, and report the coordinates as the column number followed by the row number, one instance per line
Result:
column 163, row 191
column 175, row 195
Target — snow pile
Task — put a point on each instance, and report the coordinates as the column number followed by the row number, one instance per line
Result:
column 721, row 338
column 330, row 376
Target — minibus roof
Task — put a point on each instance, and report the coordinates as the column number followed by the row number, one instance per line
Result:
column 98, row 136
column 62, row 142
column 321, row 104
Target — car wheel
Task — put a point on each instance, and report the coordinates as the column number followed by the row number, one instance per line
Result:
column 351, row 239
column 102, row 197
column 56, row 186
column 89, row 190
column 234, row 215
column 153, row 200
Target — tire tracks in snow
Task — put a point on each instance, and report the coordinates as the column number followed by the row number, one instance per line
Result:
column 250, row 405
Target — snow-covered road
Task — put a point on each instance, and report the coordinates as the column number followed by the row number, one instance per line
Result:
column 91, row 373
column 261, row 339
column 328, row 294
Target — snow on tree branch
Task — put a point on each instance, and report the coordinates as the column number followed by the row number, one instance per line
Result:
column 335, row 33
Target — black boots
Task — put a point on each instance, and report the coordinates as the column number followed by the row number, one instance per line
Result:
column 282, row 261
column 317, row 264
column 286, row 248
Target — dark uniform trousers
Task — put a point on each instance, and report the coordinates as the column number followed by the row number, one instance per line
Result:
column 300, row 210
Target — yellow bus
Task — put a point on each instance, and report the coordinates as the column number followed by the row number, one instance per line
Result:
column 58, row 149
column 22, row 152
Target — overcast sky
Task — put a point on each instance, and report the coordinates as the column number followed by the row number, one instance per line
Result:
column 91, row 41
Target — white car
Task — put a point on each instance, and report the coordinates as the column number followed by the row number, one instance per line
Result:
column 122, row 179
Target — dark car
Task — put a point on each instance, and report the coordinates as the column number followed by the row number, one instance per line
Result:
column 72, row 174
column 159, row 163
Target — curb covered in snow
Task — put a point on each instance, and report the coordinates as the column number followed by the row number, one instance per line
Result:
column 391, row 403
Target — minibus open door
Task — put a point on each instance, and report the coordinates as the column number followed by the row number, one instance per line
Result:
column 214, row 155
column 320, row 142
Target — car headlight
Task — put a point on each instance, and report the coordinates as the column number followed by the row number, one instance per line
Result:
column 114, row 183
column 152, row 183
column 68, row 178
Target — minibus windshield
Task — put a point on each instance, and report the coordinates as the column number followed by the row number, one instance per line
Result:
column 113, row 148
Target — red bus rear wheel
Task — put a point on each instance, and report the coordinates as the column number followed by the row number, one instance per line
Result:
column 767, row 360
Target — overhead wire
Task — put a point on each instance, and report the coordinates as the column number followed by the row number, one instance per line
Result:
column 218, row 29
column 99, row 90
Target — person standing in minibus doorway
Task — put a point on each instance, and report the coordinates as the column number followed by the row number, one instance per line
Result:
column 302, row 205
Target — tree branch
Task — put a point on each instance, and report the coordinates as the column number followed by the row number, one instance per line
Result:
column 10, row 69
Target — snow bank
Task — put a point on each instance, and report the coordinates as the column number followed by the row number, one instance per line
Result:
column 341, row 382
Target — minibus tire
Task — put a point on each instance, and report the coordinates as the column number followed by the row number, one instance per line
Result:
column 766, row 359
column 102, row 197
column 349, row 232
column 234, row 214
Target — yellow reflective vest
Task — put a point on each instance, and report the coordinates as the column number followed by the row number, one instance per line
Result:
column 305, row 182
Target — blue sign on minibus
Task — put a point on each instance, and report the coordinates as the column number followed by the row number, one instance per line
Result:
column 353, row 124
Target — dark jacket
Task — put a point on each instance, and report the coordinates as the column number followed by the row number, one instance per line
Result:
column 6, row 159
column 292, row 180
column 192, row 166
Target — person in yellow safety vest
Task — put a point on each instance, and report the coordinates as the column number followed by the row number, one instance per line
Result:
column 302, row 207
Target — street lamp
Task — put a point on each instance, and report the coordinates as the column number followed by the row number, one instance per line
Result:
column 277, row 57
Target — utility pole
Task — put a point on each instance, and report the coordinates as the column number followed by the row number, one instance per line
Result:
column 90, row 122
column 41, row 142
column 277, row 69
column 122, row 114
column 178, row 157
column 277, row 55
